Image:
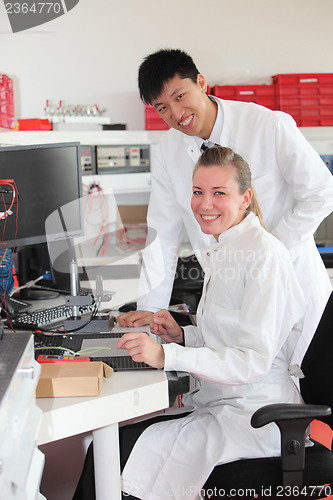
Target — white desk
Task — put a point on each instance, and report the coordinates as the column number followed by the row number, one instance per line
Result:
column 124, row 396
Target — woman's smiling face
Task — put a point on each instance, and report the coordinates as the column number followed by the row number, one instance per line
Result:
column 216, row 202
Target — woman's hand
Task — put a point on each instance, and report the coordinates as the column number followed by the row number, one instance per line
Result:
column 142, row 348
column 166, row 327
column 135, row 318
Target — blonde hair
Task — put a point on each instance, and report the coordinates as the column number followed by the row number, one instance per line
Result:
column 223, row 157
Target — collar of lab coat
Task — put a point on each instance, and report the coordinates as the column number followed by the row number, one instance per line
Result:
column 192, row 147
column 250, row 220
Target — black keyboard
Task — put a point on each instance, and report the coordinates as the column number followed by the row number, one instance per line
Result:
column 47, row 318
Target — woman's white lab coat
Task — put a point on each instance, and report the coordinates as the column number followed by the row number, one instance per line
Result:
column 294, row 188
column 251, row 303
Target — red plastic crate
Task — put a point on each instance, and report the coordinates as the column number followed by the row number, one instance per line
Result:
column 7, row 109
column 6, row 102
column 3, row 94
column 10, row 97
column 265, row 95
column 302, row 112
column 152, row 124
column 6, row 82
column 10, row 110
column 311, row 118
column 308, row 86
column 153, row 120
column 305, row 80
column 307, row 97
column 309, row 101
column 6, row 121
column 10, row 122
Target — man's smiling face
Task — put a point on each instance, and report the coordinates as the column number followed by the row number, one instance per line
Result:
column 184, row 106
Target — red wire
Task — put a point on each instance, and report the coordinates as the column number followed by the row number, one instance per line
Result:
column 103, row 209
column 6, row 183
column 13, row 186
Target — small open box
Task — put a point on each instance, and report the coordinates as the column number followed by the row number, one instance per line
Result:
column 72, row 379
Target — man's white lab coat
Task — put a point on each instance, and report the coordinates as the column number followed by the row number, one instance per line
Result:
column 251, row 304
column 293, row 185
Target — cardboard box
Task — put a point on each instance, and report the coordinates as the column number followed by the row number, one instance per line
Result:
column 72, row 379
column 133, row 214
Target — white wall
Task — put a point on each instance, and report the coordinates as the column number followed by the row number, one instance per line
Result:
column 91, row 54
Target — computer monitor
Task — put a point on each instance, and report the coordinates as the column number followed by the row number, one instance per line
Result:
column 38, row 180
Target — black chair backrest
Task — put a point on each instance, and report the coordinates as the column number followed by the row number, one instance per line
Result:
column 317, row 365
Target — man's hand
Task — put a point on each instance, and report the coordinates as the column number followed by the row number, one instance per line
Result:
column 166, row 327
column 142, row 349
column 135, row 318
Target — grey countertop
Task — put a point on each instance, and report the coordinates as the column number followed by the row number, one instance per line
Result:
column 12, row 346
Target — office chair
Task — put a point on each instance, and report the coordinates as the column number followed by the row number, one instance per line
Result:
column 298, row 470
column 188, row 283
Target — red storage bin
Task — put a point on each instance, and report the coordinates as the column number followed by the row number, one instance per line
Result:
column 3, row 120
column 308, row 82
column 307, row 97
column 6, row 82
column 259, row 94
column 10, row 97
column 3, row 108
column 6, row 121
column 35, row 124
column 7, row 109
column 10, row 122
column 153, row 120
column 3, row 94
column 6, row 102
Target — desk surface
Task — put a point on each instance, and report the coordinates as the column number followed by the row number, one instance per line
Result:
column 125, row 395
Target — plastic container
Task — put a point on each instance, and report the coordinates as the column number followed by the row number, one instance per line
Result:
column 35, row 124
column 153, row 121
column 6, row 82
column 307, row 97
column 265, row 95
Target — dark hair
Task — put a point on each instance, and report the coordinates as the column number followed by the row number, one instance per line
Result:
column 225, row 156
column 156, row 69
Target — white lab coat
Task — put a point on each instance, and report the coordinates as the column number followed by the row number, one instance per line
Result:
column 294, row 188
column 251, row 302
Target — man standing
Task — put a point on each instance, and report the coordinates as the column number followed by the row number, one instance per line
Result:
column 293, row 185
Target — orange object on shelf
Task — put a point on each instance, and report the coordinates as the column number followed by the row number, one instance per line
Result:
column 34, row 124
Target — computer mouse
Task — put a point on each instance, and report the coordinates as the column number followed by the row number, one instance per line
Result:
column 130, row 306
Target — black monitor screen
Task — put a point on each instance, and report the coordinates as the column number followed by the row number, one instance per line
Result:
column 48, row 179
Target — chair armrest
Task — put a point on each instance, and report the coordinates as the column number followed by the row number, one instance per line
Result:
column 293, row 421
column 287, row 411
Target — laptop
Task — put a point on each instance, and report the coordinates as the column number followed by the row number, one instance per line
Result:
column 96, row 346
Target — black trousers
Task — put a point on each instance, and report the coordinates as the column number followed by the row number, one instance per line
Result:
column 128, row 435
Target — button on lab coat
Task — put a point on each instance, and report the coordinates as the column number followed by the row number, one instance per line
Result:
column 294, row 188
column 251, row 305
